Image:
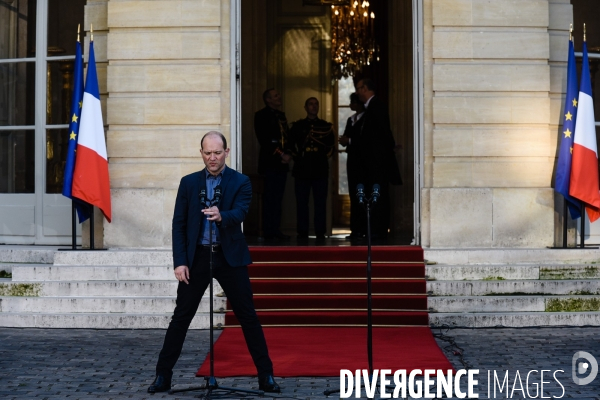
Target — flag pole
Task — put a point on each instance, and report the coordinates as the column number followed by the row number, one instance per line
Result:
column 582, row 240
column 92, row 244
column 565, row 219
column 73, row 208
column 92, row 247
column 565, row 207
column 73, row 211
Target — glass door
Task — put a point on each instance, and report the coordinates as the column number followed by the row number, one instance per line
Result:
column 37, row 50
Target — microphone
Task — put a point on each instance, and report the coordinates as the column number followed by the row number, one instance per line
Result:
column 217, row 196
column 203, row 197
column 360, row 193
column 375, row 195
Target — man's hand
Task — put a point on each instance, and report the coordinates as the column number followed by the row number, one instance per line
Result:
column 212, row 214
column 286, row 158
column 182, row 273
column 344, row 140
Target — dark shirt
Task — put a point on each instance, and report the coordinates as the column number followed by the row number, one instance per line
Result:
column 312, row 143
column 272, row 131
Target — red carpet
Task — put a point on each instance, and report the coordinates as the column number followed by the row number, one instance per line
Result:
column 325, row 351
column 312, row 304
column 326, row 286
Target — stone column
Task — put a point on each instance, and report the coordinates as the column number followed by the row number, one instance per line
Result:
column 95, row 15
column 490, row 160
column 168, row 82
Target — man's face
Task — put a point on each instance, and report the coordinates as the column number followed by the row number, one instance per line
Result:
column 354, row 106
column 312, row 108
column 214, row 154
column 274, row 99
column 361, row 91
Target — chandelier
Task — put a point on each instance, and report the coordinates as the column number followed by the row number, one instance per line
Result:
column 352, row 39
column 325, row 2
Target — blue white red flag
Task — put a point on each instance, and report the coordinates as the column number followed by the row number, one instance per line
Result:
column 83, row 209
column 563, row 167
column 584, row 183
column 91, row 181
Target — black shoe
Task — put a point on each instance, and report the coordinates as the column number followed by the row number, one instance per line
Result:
column 268, row 385
column 282, row 237
column 354, row 236
column 161, row 384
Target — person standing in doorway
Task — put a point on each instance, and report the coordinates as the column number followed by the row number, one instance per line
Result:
column 272, row 132
column 312, row 141
column 351, row 141
column 377, row 146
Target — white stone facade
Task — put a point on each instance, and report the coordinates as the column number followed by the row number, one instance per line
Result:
column 494, row 76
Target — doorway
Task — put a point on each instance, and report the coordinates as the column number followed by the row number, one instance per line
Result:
column 286, row 46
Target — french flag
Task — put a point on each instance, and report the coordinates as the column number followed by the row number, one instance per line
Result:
column 90, row 178
column 584, row 168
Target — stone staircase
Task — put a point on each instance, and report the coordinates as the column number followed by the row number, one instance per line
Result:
column 488, row 288
column 135, row 289
column 102, row 290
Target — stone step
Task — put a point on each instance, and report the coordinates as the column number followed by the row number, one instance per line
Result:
column 125, row 257
column 511, row 256
column 49, row 255
column 101, row 320
column 93, row 288
column 39, row 272
column 121, row 257
column 128, row 305
column 27, row 254
column 445, row 272
column 42, row 272
column 501, row 304
column 514, row 319
column 513, row 287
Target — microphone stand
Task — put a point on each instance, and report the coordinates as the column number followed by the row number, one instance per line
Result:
column 367, row 204
column 211, row 384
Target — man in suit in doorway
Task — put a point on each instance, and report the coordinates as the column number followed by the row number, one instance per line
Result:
column 192, row 223
column 376, row 144
column 272, row 131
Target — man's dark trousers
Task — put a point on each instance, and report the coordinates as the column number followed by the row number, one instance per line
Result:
column 236, row 284
column 319, row 188
column 272, row 202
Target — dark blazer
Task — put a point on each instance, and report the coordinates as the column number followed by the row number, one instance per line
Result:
column 378, row 143
column 354, row 163
column 187, row 217
column 312, row 143
column 272, row 132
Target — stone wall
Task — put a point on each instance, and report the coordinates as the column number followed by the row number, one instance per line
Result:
column 165, row 81
column 494, row 74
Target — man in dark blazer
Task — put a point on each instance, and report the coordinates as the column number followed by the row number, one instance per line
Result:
column 354, row 166
column 272, row 132
column 192, row 222
column 376, row 144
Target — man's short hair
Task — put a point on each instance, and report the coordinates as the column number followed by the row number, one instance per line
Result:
column 309, row 99
column 355, row 99
column 368, row 82
column 214, row 133
column 267, row 95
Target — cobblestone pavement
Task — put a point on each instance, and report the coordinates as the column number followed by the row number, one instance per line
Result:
column 119, row 364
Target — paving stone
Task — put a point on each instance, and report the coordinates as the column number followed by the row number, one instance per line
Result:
column 119, row 364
